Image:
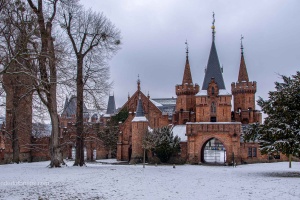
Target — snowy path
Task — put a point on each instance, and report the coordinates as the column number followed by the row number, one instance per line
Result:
column 104, row 181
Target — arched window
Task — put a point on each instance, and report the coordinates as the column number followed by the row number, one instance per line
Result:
column 213, row 107
column 212, row 90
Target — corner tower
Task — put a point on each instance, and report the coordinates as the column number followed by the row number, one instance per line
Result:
column 139, row 126
column 185, row 103
column 244, row 95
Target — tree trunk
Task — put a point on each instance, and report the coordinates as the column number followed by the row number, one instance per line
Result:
column 79, row 161
column 290, row 160
column 109, row 153
column 56, row 157
column 15, row 139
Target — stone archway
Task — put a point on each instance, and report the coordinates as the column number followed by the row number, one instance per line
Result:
column 213, row 151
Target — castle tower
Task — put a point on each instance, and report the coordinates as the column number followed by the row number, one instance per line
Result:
column 139, row 126
column 185, row 103
column 213, row 104
column 244, row 95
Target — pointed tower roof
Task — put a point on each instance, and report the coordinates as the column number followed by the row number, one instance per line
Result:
column 213, row 66
column 243, row 74
column 111, row 105
column 187, row 77
column 139, row 115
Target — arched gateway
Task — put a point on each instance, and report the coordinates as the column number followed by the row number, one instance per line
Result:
column 213, row 152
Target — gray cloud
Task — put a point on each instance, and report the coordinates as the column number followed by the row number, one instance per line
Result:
column 154, row 33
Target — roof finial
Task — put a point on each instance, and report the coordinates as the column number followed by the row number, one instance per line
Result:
column 187, row 48
column 213, row 27
column 242, row 47
column 139, row 83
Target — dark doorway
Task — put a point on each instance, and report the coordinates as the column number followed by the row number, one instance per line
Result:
column 129, row 153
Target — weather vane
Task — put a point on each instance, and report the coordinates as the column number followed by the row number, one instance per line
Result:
column 187, row 47
column 213, row 26
column 242, row 47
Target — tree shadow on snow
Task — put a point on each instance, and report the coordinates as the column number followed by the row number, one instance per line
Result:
column 295, row 174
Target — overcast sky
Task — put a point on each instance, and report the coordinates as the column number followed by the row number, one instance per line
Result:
column 154, row 34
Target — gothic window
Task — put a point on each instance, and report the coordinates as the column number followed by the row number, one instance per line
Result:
column 213, row 107
column 212, row 90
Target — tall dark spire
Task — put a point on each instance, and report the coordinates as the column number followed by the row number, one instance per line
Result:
column 213, row 66
column 243, row 74
column 187, row 77
column 111, row 105
column 139, row 109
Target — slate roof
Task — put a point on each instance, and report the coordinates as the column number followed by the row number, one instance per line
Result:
column 166, row 105
column 111, row 105
column 139, row 109
column 213, row 69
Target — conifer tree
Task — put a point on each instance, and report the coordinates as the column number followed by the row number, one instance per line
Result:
column 281, row 129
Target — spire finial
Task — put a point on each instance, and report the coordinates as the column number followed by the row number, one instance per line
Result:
column 187, row 48
column 213, row 27
column 242, row 47
column 139, row 83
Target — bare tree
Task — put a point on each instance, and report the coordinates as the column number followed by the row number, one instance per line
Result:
column 17, row 30
column 94, row 39
column 46, row 84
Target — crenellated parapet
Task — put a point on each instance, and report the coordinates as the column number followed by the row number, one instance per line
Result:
column 243, row 87
column 187, row 89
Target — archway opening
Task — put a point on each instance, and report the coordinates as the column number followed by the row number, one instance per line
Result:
column 213, row 152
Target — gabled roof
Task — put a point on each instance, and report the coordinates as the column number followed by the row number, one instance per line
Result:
column 213, row 69
column 111, row 105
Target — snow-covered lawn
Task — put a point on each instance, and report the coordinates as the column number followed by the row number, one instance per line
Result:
column 106, row 181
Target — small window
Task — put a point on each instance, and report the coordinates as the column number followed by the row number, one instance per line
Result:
column 213, row 119
column 212, row 90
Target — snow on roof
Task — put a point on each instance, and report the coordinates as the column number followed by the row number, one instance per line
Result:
column 165, row 101
column 202, row 93
column 180, row 131
column 221, row 92
column 140, row 119
column 156, row 103
column 224, row 92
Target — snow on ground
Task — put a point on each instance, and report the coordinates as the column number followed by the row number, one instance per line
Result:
column 107, row 181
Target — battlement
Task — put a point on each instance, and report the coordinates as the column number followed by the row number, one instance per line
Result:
column 216, row 127
column 243, row 87
column 187, row 89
